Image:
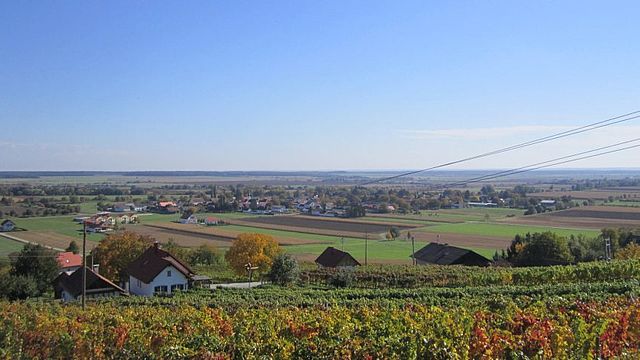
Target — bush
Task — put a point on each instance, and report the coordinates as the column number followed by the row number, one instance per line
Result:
column 18, row 287
column 284, row 270
column 342, row 278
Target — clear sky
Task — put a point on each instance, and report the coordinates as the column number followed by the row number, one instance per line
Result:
column 311, row 85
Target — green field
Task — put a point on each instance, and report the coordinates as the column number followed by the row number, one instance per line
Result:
column 399, row 249
column 63, row 225
column 8, row 246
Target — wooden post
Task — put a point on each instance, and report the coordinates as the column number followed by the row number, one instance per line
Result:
column 413, row 250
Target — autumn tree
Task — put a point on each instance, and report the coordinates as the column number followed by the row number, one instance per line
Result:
column 257, row 249
column 631, row 251
column 116, row 251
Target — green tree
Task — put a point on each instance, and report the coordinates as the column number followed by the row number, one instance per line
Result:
column 36, row 262
column 544, row 249
column 394, row 232
column 73, row 247
column 205, row 254
column 284, row 270
column 18, row 287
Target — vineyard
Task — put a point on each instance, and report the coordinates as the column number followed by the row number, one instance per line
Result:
column 395, row 312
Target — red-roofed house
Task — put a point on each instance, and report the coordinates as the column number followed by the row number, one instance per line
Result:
column 69, row 262
column 211, row 221
column 158, row 272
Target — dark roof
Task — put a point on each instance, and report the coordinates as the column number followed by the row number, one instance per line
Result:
column 73, row 283
column 153, row 261
column 443, row 254
column 7, row 221
column 332, row 257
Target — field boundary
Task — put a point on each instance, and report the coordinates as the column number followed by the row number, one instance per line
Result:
column 11, row 237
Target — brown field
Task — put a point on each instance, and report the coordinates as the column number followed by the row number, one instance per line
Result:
column 321, row 226
column 190, row 235
column 592, row 217
column 418, row 217
column 601, row 194
column 51, row 239
column 474, row 241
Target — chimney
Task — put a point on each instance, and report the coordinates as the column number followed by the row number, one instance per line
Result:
column 156, row 244
column 96, row 268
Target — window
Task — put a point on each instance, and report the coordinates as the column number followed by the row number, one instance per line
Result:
column 160, row 289
column 175, row 287
column 168, row 273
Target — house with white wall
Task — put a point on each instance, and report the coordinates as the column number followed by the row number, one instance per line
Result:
column 157, row 272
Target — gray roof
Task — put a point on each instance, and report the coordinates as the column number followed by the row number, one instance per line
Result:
column 443, row 254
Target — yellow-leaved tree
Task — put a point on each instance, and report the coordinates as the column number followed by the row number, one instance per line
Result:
column 257, row 249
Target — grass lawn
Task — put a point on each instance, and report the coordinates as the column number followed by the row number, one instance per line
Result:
column 8, row 246
column 502, row 230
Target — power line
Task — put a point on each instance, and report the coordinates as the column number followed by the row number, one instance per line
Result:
column 513, row 171
column 563, row 134
column 535, row 167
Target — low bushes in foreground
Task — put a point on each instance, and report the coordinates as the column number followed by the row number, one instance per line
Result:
column 576, row 330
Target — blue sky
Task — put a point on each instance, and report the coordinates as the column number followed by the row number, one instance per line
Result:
column 310, row 85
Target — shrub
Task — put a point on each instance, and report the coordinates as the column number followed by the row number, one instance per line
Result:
column 284, row 270
column 18, row 287
column 342, row 278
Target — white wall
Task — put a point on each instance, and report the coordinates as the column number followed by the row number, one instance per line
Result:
column 162, row 279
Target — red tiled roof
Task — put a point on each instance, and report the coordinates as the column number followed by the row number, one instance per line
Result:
column 153, row 261
column 69, row 259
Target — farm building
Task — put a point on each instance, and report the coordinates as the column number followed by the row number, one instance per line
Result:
column 211, row 221
column 444, row 254
column 157, row 271
column 69, row 262
column 332, row 257
column 481, row 204
column 7, row 225
column 190, row 220
column 69, row 287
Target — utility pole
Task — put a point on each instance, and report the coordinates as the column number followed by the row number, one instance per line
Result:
column 366, row 248
column 607, row 249
column 84, row 263
column 413, row 250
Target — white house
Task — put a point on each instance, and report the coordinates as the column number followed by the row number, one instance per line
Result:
column 157, row 272
column 7, row 225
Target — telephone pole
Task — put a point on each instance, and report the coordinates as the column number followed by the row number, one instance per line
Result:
column 366, row 248
column 84, row 263
column 413, row 250
column 607, row 249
